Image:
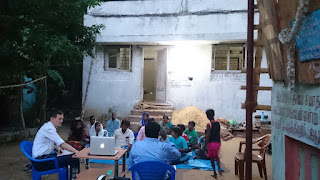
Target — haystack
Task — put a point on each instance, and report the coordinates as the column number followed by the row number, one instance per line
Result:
column 191, row 113
column 195, row 114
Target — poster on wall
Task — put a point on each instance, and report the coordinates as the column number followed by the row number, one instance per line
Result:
column 308, row 39
column 297, row 113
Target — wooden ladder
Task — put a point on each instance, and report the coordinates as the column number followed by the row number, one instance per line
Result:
column 257, row 70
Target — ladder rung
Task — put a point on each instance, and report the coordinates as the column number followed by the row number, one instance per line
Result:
column 256, row 27
column 262, row 88
column 263, row 107
column 258, row 44
column 261, row 70
column 258, row 107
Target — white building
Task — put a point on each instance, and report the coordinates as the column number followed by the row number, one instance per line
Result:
column 181, row 52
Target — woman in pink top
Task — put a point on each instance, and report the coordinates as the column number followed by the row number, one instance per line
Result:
column 142, row 132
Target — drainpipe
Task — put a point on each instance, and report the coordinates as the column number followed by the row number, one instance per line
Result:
column 249, row 92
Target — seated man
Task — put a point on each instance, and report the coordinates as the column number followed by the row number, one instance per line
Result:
column 113, row 124
column 124, row 136
column 181, row 144
column 151, row 149
column 89, row 125
column 47, row 140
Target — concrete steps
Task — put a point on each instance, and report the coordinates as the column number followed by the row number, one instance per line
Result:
column 155, row 110
column 134, row 126
column 152, row 112
column 137, row 118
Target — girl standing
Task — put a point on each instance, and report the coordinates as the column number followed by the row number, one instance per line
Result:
column 213, row 141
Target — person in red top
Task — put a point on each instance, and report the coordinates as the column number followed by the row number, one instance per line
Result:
column 77, row 135
column 213, row 141
column 183, row 128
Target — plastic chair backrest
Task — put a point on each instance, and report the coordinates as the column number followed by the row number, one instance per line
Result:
column 26, row 148
column 152, row 170
column 264, row 142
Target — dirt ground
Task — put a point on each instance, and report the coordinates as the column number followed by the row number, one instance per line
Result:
column 13, row 162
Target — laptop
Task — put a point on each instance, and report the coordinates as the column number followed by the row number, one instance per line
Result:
column 102, row 146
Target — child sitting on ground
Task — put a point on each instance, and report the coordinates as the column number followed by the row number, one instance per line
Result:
column 181, row 145
column 202, row 151
column 183, row 128
column 192, row 135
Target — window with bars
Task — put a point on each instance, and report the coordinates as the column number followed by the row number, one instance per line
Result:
column 227, row 57
column 117, row 57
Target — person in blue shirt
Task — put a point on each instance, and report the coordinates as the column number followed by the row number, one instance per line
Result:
column 112, row 124
column 151, row 149
column 181, row 145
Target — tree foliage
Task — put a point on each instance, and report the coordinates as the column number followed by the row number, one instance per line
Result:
column 40, row 34
column 36, row 38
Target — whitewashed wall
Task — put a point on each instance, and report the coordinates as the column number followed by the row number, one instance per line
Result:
column 171, row 22
column 119, row 90
column 219, row 90
column 156, row 21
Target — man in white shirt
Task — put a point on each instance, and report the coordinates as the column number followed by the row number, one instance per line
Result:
column 48, row 143
column 124, row 136
column 89, row 125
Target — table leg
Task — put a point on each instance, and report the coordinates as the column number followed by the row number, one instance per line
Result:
column 116, row 168
column 124, row 157
column 87, row 164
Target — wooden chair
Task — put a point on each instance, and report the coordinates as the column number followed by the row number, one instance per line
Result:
column 262, row 143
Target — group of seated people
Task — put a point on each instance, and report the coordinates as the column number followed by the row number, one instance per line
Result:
column 164, row 141
column 79, row 136
column 185, row 140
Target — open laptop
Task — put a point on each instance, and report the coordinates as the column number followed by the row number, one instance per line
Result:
column 102, row 146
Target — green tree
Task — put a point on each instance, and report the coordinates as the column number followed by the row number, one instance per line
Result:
column 38, row 35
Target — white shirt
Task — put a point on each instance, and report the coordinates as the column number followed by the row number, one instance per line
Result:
column 45, row 140
column 123, row 139
column 88, row 127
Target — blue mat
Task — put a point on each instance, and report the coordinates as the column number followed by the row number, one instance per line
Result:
column 192, row 163
column 201, row 164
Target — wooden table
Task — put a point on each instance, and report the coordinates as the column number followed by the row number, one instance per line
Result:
column 84, row 154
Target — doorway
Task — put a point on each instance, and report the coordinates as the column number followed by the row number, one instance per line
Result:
column 155, row 74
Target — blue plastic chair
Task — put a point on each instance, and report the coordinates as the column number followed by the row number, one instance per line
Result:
column 26, row 148
column 152, row 170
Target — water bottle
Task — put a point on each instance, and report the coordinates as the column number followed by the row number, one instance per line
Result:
column 262, row 116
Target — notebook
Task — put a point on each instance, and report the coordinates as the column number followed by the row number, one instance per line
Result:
column 102, row 146
column 64, row 152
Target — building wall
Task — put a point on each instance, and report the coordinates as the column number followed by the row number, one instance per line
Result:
column 290, row 117
column 170, row 20
column 219, row 90
column 191, row 26
column 115, row 89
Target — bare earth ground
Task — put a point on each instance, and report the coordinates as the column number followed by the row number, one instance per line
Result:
column 13, row 162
